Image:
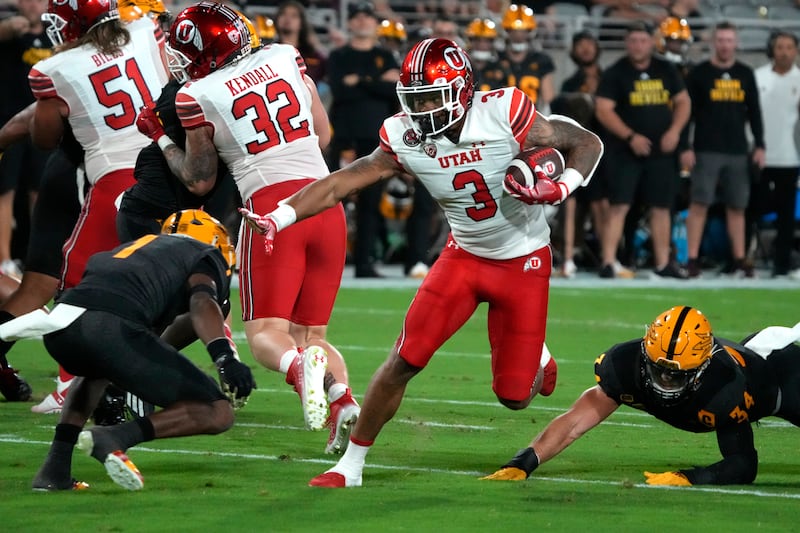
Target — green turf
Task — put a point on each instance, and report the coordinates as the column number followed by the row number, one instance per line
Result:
column 422, row 472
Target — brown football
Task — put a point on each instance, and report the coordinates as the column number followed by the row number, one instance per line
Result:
column 550, row 159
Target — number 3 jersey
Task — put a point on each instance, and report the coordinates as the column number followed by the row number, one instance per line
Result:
column 260, row 111
column 104, row 94
column 466, row 179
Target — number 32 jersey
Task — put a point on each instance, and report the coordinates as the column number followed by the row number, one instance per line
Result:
column 104, row 94
column 260, row 111
column 466, row 179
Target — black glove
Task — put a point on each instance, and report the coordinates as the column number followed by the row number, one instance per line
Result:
column 235, row 377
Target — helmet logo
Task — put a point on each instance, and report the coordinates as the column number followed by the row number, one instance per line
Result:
column 235, row 36
column 186, row 33
column 454, row 58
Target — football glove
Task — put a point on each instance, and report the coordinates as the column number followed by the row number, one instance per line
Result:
column 674, row 479
column 507, row 473
column 263, row 224
column 518, row 468
column 149, row 124
column 546, row 191
column 236, row 379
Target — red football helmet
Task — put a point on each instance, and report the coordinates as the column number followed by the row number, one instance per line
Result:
column 436, row 85
column 68, row 20
column 205, row 37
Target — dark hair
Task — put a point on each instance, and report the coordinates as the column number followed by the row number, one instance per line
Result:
column 774, row 36
column 724, row 25
column 584, row 35
column 639, row 25
column 305, row 40
column 108, row 38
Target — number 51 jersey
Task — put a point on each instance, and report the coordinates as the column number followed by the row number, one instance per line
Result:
column 466, row 178
column 260, row 111
column 104, row 94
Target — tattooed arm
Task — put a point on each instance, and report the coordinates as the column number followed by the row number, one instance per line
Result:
column 327, row 192
column 582, row 149
column 197, row 166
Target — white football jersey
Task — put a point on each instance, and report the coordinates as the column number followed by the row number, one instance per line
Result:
column 466, row 179
column 104, row 94
column 260, row 111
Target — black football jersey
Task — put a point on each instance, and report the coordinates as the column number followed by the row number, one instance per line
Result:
column 157, row 193
column 146, row 280
column 737, row 387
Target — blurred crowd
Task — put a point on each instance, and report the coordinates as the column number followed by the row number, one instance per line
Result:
column 701, row 166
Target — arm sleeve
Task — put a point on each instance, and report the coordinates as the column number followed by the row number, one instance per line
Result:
column 521, row 115
column 41, row 85
column 189, row 111
column 740, row 459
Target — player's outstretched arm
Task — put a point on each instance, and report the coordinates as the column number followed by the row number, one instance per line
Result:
column 591, row 408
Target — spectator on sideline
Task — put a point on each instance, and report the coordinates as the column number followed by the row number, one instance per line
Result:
column 362, row 75
column 532, row 69
column 23, row 42
column 286, row 298
column 498, row 251
column 643, row 105
column 779, row 90
column 576, row 100
column 87, row 33
column 685, row 376
column 724, row 100
column 105, row 330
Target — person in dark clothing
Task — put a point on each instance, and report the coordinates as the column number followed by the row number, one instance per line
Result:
column 362, row 76
column 106, row 330
column 724, row 100
column 643, row 105
column 685, row 376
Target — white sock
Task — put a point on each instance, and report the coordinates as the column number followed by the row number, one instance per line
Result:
column 61, row 386
column 351, row 465
column 336, row 391
column 545, row 356
column 286, row 360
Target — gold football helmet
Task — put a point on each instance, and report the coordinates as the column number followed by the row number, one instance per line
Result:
column 674, row 36
column 677, row 348
column 255, row 39
column 203, row 227
column 392, row 29
column 265, row 28
column 519, row 17
column 130, row 10
column 481, row 29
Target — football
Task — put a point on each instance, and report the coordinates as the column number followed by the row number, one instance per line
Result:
column 521, row 167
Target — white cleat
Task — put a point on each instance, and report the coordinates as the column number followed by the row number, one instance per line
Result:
column 310, row 382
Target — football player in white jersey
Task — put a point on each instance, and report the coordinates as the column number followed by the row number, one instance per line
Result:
column 102, row 73
column 262, row 115
column 459, row 145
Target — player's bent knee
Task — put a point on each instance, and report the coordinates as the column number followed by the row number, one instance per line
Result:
column 513, row 392
column 222, row 418
column 515, row 405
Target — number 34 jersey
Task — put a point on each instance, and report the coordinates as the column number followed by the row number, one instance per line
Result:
column 104, row 94
column 260, row 111
column 466, row 178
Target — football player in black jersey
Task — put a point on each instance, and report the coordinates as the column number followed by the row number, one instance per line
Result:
column 685, row 376
column 106, row 329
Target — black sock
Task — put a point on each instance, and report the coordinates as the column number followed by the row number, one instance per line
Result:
column 108, row 439
column 5, row 346
column 56, row 472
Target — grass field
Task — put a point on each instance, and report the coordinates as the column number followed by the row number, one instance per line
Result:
column 422, row 472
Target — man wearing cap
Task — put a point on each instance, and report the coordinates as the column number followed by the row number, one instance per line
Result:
column 362, row 76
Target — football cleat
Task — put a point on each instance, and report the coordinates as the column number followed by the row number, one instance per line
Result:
column 74, row 484
column 123, row 472
column 333, row 480
column 110, row 411
column 549, row 379
column 51, row 404
column 342, row 420
column 13, row 387
column 307, row 374
column 507, row 473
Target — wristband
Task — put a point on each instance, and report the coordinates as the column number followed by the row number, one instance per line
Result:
column 526, row 459
column 570, row 180
column 164, row 142
column 284, row 215
column 219, row 348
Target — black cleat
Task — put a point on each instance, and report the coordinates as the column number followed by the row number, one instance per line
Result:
column 13, row 386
